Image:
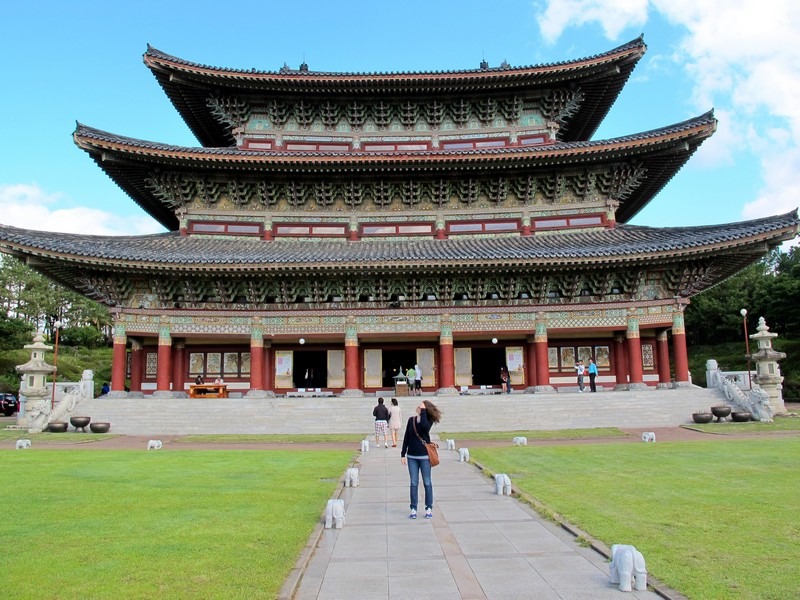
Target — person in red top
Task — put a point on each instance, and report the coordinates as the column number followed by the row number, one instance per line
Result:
column 414, row 454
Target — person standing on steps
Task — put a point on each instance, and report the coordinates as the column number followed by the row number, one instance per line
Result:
column 381, row 414
column 592, row 375
column 417, row 380
column 414, row 454
column 580, row 370
column 395, row 421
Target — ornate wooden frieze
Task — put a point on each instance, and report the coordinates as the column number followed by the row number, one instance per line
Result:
column 209, row 193
column 231, row 111
column 523, row 288
column 617, row 316
column 560, row 104
column 253, row 115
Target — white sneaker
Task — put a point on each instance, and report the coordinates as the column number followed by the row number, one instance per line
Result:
column 413, row 514
column 386, row 445
column 428, row 513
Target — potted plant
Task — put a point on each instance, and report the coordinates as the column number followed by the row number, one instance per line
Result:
column 721, row 411
column 741, row 416
column 702, row 417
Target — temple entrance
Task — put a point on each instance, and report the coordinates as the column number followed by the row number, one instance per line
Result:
column 310, row 369
column 393, row 361
column 486, row 365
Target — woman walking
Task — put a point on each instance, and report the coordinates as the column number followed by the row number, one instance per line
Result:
column 395, row 420
column 415, row 455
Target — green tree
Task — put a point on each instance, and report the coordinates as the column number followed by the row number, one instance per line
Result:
column 714, row 317
column 14, row 333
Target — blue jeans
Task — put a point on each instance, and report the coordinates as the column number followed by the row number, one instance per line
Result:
column 415, row 465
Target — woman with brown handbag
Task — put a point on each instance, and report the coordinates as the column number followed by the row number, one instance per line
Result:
column 415, row 455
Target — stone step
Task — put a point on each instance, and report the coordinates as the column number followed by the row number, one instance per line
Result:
column 178, row 416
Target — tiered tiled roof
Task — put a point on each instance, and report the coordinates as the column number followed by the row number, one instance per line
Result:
column 189, row 85
column 730, row 246
column 661, row 151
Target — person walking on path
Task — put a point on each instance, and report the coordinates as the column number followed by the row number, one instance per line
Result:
column 411, row 375
column 592, row 375
column 395, row 420
column 414, row 454
column 381, row 414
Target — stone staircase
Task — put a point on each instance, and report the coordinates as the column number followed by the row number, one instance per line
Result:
column 566, row 410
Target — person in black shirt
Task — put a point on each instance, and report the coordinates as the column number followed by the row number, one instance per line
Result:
column 415, row 455
column 381, row 414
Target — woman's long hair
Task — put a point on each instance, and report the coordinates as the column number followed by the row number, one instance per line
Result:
column 434, row 414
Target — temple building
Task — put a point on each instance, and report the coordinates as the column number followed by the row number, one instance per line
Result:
column 332, row 229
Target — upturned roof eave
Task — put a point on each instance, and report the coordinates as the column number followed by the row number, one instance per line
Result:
column 127, row 160
column 91, row 139
column 37, row 245
column 188, row 85
column 292, row 80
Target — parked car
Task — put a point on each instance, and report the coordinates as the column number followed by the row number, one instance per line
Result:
column 9, row 404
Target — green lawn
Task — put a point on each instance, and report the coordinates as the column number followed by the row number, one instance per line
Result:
column 191, row 524
column 715, row 520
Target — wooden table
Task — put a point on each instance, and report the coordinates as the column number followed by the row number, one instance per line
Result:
column 208, row 390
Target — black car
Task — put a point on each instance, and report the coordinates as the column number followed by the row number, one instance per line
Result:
column 8, row 404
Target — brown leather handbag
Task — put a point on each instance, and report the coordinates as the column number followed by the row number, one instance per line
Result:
column 433, row 449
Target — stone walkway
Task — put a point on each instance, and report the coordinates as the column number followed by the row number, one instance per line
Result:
column 478, row 545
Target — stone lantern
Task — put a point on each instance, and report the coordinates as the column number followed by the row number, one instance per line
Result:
column 768, row 374
column 34, row 413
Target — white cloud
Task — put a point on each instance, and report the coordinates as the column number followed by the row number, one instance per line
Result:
column 744, row 60
column 30, row 207
column 613, row 15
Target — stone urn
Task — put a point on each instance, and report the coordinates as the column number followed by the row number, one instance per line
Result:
column 80, row 422
column 721, row 412
column 741, row 417
column 99, row 427
column 57, row 426
column 702, row 417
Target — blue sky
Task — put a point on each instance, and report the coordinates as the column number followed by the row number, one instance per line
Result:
column 64, row 62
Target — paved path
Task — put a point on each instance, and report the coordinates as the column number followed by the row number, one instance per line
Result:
column 478, row 544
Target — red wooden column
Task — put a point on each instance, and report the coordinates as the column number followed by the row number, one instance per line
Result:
column 352, row 380
column 164, row 362
column 526, row 225
column 119, row 358
column 256, row 356
column 269, row 369
column 530, row 362
column 137, row 365
column 447, row 362
column 541, row 352
column 620, row 362
column 679, row 349
column 635, row 367
column 179, row 367
column 662, row 354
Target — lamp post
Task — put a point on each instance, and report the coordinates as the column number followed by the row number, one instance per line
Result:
column 743, row 312
column 57, row 327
